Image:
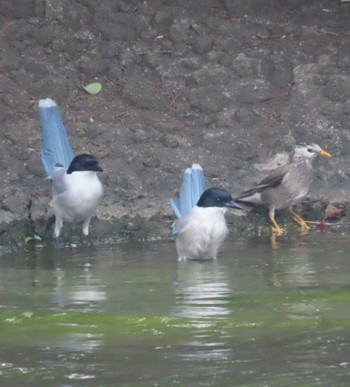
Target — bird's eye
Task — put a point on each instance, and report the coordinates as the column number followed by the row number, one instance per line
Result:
column 310, row 150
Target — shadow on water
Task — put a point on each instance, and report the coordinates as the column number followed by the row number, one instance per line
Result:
column 262, row 314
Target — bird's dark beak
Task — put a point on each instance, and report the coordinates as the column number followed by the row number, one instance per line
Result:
column 96, row 168
column 233, row 204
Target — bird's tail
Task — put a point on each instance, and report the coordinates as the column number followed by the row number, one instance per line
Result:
column 192, row 187
column 56, row 149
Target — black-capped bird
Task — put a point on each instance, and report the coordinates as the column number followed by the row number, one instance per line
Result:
column 76, row 188
column 201, row 226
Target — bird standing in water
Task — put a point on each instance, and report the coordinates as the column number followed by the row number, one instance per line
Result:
column 286, row 185
column 201, row 227
column 76, row 189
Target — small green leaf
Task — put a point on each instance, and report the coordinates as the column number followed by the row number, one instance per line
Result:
column 93, row 88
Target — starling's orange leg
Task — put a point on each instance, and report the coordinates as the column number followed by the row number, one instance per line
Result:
column 274, row 243
column 276, row 229
column 299, row 220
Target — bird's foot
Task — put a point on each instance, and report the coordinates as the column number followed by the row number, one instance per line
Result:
column 301, row 222
column 276, row 231
column 89, row 240
column 58, row 243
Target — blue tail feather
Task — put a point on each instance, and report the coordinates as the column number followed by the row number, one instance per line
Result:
column 185, row 192
column 56, row 149
column 175, row 205
column 198, row 183
column 192, row 186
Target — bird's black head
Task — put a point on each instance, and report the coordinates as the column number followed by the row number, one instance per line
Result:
column 84, row 162
column 217, row 197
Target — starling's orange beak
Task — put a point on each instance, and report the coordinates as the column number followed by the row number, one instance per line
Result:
column 324, row 153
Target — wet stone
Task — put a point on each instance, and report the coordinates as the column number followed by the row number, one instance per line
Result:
column 143, row 94
column 150, row 161
column 209, row 98
column 338, row 88
column 250, row 91
column 170, row 141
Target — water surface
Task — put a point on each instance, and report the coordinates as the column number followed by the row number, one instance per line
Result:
column 261, row 315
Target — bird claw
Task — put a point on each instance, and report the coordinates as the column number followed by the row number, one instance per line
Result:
column 301, row 222
column 276, row 231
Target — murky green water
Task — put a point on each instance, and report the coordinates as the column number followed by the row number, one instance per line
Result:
column 133, row 315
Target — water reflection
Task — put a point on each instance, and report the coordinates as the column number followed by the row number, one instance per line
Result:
column 203, row 296
column 307, row 261
column 292, row 266
column 81, row 343
column 202, row 291
column 87, row 292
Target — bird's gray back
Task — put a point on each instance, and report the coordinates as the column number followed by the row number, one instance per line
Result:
column 294, row 186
